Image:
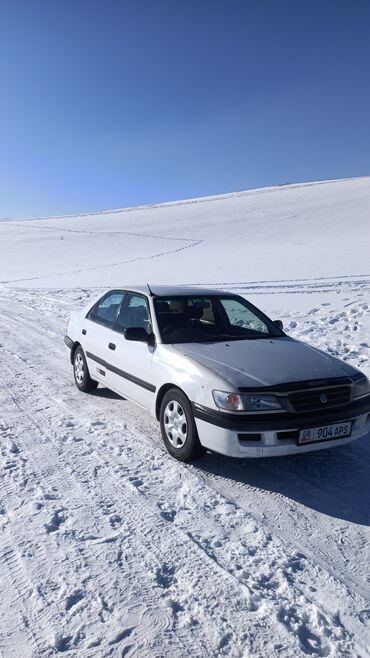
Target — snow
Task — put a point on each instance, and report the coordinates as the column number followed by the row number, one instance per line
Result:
column 111, row 548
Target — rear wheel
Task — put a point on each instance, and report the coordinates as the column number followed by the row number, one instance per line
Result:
column 81, row 372
column 178, row 427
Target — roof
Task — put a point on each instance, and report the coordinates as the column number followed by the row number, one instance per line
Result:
column 169, row 291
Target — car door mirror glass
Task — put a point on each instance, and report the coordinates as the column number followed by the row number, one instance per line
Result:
column 137, row 334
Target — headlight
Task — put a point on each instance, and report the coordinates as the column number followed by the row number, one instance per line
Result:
column 261, row 403
column 236, row 402
column 230, row 401
column 361, row 388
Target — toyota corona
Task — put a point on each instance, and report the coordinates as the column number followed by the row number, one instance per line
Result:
column 217, row 373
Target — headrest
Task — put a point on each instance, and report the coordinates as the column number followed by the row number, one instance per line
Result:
column 195, row 312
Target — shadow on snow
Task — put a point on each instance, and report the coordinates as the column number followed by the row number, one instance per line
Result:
column 335, row 482
column 102, row 392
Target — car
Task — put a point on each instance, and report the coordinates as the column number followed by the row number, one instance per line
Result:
column 216, row 372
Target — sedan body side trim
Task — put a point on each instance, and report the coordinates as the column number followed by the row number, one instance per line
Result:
column 122, row 373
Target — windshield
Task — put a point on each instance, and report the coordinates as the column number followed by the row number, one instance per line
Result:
column 214, row 318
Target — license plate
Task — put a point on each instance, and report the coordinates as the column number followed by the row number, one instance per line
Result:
column 325, row 433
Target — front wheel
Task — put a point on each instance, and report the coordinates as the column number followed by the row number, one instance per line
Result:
column 81, row 372
column 178, row 427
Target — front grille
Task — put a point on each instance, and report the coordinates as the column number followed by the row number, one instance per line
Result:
column 324, row 398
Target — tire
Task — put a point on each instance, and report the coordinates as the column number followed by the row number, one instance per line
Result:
column 178, row 427
column 81, row 373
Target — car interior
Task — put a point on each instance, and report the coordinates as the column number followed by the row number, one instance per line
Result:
column 185, row 319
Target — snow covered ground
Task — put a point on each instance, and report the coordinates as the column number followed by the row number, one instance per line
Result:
column 108, row 547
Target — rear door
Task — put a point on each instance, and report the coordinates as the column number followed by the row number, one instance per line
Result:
column 130, row 368
column 97, row 333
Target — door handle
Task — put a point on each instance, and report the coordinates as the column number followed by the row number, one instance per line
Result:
column 111, row 346
column 84, row 332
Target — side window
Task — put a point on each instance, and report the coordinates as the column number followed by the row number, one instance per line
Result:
column 105, row 310
column 135, row 313
column 241, row 316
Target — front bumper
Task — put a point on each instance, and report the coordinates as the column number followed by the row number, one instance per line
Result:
column 237, row 436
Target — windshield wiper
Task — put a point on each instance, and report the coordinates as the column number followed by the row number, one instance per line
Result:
column 223, row 338
column 242, row 337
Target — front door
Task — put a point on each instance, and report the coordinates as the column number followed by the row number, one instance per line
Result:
column 131, row 362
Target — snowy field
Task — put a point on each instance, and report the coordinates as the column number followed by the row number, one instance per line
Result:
column 109, row 547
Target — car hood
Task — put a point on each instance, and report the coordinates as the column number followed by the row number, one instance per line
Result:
column 265, row 362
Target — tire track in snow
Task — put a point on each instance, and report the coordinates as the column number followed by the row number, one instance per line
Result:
column 31, row 557
column 11, row 468
column 149, row 548
column 64, row 640
column 20, row 553
column 146, row 546
column 283, row 615
column 184, row 537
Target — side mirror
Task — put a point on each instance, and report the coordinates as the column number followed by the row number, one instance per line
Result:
column 137, row 333
column 279, row 324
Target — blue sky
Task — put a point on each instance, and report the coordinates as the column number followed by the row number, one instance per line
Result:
column 117, row 103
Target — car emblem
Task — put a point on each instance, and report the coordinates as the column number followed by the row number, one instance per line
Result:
column 323, row 398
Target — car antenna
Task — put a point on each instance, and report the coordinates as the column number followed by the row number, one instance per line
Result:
column 150, row 291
